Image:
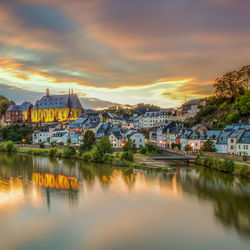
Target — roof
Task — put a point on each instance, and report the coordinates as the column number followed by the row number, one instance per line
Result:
column 235, row 133
column 117, row 134
column 24, row 106
column 192, row 102
column 245, row 138
column 210, row 134
column 223, row 137
column 58, row 101
column 49, row 126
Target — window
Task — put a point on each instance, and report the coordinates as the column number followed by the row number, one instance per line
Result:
column 232, row 140
column 232, row 147
column 239, row 147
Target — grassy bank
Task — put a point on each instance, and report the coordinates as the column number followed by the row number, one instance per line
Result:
column 224, row 165
column 119, row 159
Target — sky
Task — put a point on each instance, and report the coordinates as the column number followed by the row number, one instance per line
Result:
column 115, row 51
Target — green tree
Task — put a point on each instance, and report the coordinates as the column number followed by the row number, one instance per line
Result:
column 104, row 147
column 69, row 152
column 208, row 146
column 4, row 104
column 127, row 156
column 9, row 146
column 243, row 103
column 129, row 146
column 88, row 141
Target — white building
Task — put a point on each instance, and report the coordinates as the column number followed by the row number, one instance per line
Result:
column 243, row 144
column 60, row 136
column 45, row 133
column 137, row 138
column 115, row 138
column 154, row 118
column 232, row 140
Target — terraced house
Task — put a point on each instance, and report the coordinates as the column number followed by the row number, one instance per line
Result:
column 56, row 108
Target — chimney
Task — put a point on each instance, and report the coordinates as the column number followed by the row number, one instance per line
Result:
column 47, row 92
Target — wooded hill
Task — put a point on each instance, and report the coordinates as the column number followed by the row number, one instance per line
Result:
column 230, row 102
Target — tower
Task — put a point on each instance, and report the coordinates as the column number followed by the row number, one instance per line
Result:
column 47, row 92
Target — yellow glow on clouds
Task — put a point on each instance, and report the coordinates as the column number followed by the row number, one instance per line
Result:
column 151, row 93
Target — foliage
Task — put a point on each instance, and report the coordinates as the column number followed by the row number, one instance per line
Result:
column 86, row 156
column 243, row 103
column 52, row 152
column 41, row 144
column 68, row 141
column 227, row 166
column 69, row 152
column 244, row 171
column 88, row 141
column 127, row 156
column 4, row 104
column 208, row 146
column 129, row 146
column 142, row 150
column 9, row 146
column 232, row 117
column 150, row 147
column 53, row 144
column 176, row 145
column 16, row 133
column 188, row 148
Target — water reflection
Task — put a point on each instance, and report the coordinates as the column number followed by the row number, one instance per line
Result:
column 43, row 184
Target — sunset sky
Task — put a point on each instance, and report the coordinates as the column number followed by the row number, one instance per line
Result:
column 121, row 51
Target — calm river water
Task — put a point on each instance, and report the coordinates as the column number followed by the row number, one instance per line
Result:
column 59, row 204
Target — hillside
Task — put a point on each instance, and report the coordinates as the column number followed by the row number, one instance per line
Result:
column 230, row 102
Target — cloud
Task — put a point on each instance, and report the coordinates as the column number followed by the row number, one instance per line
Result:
column 109, row 44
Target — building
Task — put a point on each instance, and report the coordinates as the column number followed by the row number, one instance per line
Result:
column 154, row 118
column 115, row 138
column 56, row 108
column 18, row 113
column 60, row 136
column 137, row 138
column 243, row 144
column 44, row 134
column 221, row 144
column 233, row 139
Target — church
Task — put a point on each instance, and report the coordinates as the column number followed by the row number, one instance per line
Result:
column 56, row 108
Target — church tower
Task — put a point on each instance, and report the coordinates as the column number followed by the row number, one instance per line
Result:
column 47, row 92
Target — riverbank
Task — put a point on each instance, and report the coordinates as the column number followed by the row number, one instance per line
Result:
column 114, row 159
column 225, row 165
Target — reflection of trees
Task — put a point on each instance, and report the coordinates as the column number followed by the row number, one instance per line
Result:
column 102, row 171
column 231, row 200
column 129, row 177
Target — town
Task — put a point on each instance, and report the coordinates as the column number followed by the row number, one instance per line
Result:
column 61, row 119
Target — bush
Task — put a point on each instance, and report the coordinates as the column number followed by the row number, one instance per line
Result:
column 127, row 156
column 227, row 166
column 9, row 146
column 142, row 150
column 87, row 156
column 208, row 162
column 2, row 147
column 59, row 154
column 69, row 152
column 188, row 148
column 244, row 171
column 208, row 146
column 52, row 152
column 41, row 144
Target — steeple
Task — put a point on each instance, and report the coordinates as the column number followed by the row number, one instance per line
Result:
column 47, row 92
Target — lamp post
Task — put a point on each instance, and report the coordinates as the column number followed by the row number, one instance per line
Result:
column 23, row 141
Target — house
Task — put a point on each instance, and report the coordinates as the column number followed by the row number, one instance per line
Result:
column 75, row 137
column 18, row 113
column 184, row 138
column 154, row 118
column 192, row 107
column 137, row 138
column 103, row 129
column 233, row 139
column 243, row 144
column 221, row 144
column 60, row 136
column 44, row 134
column 115, row 138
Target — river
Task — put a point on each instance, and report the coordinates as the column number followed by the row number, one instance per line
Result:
column 62, row 204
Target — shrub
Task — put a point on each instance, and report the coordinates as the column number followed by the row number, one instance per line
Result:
column 129, row 146
column 59, row 154
column 127, row 156
column 143, row 150
column 208, row 146
column 69, row 152
column 2, row 147
column 9, row 146
column 227, row 166
column 188, row 148
column 208, row 162
column 244, row 171
column 41, row 144
column 87, row 156
column 52, row 152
